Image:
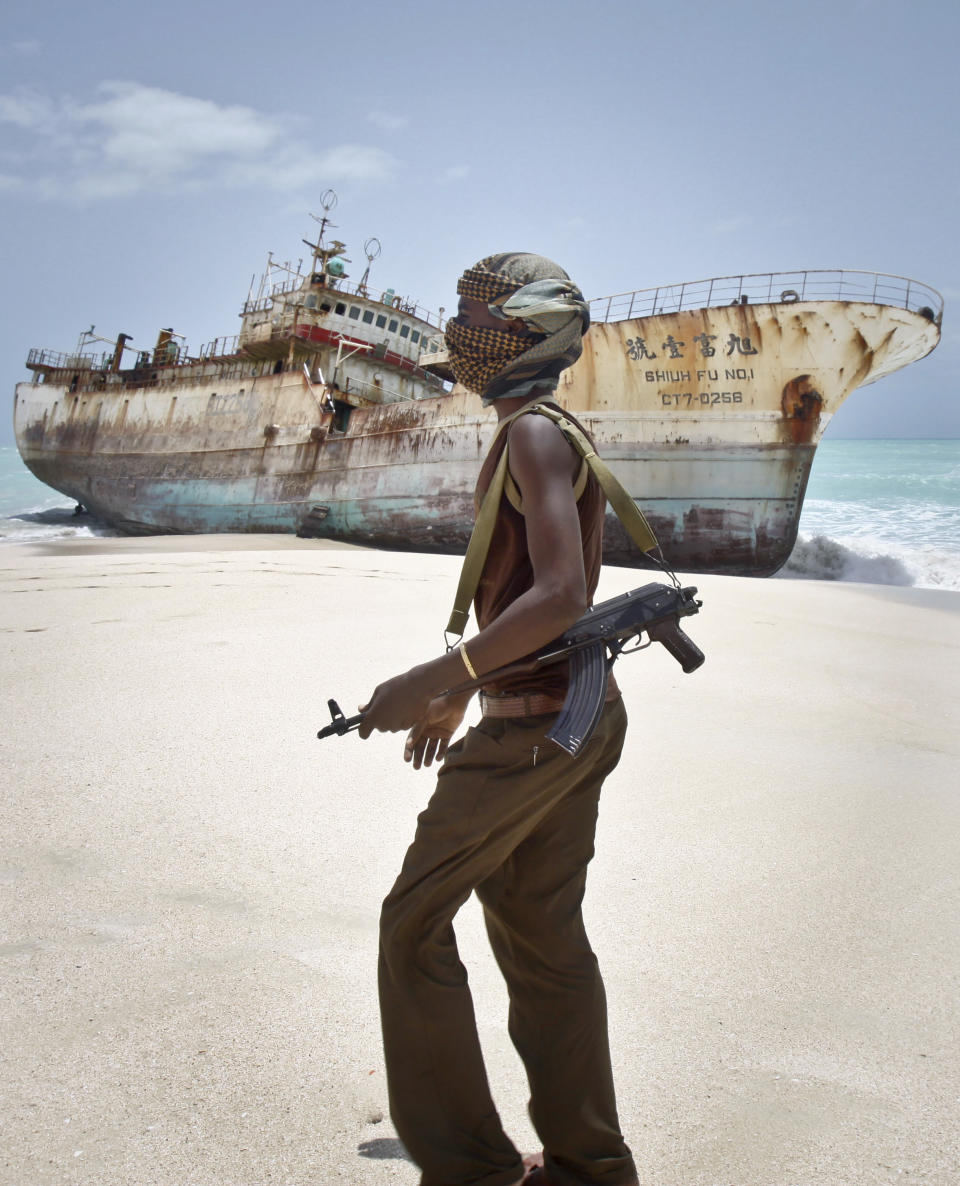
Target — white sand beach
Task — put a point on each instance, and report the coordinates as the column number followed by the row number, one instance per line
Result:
column 190, row 881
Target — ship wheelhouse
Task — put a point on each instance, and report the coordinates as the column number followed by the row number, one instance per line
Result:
column 362, row 345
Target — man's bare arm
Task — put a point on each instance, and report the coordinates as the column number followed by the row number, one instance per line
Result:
column 542, row 465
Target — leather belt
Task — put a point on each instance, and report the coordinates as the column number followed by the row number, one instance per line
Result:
column 534, row 704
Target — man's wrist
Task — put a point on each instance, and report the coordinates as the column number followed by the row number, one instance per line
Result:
column 437, row 675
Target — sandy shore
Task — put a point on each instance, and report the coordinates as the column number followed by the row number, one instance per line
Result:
column 190, row 881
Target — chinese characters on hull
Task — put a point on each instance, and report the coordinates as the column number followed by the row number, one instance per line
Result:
column 638, row 349
column 704, row 346
column 741, row 345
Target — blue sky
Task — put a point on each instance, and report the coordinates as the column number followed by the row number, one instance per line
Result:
column 151, row 155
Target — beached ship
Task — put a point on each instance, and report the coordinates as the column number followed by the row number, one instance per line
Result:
column 332, row 414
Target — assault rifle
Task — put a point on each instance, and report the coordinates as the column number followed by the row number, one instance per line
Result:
column 591, row 646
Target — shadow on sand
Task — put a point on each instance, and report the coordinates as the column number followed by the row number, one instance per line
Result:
column 384, row 1149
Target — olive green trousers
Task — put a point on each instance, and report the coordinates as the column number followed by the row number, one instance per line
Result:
column 513, row 818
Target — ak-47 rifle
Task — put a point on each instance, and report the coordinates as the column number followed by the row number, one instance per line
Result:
column 591, row 646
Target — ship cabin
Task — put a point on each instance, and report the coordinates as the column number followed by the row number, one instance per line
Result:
column 365, row 346
column 356, row 347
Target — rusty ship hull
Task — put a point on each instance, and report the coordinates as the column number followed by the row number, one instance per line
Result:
column 708, row 407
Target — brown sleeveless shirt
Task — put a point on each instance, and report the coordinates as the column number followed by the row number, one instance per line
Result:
column 508, row 573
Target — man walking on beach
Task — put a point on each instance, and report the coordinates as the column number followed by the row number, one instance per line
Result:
column 513, row 816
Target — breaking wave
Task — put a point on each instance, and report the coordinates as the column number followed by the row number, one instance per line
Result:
column 821, row 558
column 51, row 523
column 31, row 511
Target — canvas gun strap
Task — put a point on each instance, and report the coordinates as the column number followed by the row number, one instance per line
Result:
column 480, row 538
column 623, row 505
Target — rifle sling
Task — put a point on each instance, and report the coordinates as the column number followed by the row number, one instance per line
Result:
column 623, row 505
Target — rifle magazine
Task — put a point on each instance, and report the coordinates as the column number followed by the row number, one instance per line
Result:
column 583, row 705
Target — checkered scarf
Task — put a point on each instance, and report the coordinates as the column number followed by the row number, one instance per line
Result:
column 480, row 284
column 478, row 354
column 498, row 363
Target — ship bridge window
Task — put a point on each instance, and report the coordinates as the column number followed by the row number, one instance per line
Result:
column 325, row 308
column 392, row 327
column 311, row 301
column 341, row 308
column 381, row 321
column 354, row 313
column 367, row 316
column 404, row 331
column 415, row 336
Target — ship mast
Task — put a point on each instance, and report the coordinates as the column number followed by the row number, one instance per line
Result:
column 322, row 254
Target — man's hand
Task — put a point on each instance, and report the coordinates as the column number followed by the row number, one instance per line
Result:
column 429, row 737
column 397, row 704
column 402, row 702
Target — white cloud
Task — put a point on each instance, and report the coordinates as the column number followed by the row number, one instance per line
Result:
column 454, row 173
column 148, row 130
column 354, row 162
column 26, row 109
column 135, row 138
column 388, row 120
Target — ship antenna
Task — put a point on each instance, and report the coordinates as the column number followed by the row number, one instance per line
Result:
column 328, row 199
column 371, row 249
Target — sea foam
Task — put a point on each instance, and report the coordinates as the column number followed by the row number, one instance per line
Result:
column 823, row 559
column 872, row 561
column 51, row 523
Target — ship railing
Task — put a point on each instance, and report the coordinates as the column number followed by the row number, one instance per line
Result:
column 432, row 344
column 277, row 293
column 195, row 377
column 347, row 288
column 372, row 392
column 281, row 327
column 767, row 288
column 57, row 360
column 220, row 348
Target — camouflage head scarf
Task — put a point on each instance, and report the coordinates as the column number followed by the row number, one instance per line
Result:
column 497, row 363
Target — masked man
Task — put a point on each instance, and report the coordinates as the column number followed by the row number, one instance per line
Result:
column 513, row 816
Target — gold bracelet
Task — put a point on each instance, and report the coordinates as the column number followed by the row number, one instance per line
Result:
column 462, row 648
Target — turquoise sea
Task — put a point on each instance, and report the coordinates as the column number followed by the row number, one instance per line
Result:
column 883, row 512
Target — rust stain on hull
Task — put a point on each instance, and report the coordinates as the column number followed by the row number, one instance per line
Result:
column 802, row 405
